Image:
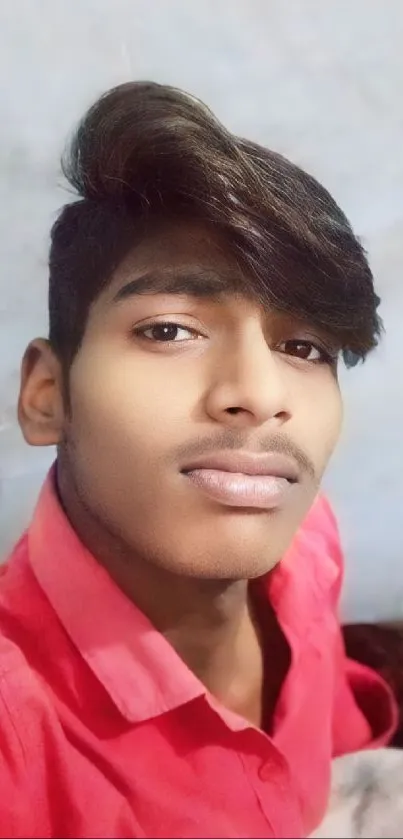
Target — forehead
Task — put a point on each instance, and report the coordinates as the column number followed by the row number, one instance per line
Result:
column 180, row 258
column 187, row 259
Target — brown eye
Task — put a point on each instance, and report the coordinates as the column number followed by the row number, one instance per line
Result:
column 162, row 332
column 168, row 332
column 306, row 350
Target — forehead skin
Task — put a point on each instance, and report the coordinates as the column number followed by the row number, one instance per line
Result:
column 186, row 261
column 171, row 249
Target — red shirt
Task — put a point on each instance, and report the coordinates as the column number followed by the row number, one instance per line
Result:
column 104, row 731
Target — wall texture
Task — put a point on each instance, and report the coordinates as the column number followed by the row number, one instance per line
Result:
column 320, row 82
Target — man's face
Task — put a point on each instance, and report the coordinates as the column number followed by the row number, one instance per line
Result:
column 231, row 378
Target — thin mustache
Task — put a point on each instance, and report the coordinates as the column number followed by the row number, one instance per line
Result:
column 228, row 441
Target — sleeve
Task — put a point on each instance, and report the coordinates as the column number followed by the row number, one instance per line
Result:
column 365, row 713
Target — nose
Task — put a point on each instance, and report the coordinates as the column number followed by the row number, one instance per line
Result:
column 249, row 386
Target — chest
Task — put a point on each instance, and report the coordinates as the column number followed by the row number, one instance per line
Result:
column 188, row 773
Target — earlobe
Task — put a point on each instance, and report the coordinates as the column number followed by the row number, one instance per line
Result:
column 40, row 403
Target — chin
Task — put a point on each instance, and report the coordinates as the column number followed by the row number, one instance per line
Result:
column 238, row 570
column 226, row 545
column 227, row 558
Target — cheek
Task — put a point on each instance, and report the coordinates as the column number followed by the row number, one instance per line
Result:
column 120, row 401
column 325, row 422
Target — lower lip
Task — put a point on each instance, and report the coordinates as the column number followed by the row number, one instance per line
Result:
column 233, row 489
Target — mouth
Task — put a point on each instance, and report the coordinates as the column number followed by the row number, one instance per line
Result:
column 240, row 479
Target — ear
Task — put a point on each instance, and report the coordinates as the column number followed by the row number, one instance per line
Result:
column 40, row 403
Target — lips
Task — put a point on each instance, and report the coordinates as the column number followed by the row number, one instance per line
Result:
column 247, row 463
column 242, row 479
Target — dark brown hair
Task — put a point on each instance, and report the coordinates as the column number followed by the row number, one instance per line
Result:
column 144, row 151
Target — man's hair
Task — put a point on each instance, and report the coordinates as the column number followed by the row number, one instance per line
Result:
column 147, row 152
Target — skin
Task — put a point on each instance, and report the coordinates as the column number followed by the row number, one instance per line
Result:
column 140, row 408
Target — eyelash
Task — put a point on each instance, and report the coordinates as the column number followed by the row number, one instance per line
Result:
column 325, row 355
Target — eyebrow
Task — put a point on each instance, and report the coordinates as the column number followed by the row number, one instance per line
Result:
column 191, row 281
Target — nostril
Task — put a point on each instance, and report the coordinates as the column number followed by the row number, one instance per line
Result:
column 233, row 410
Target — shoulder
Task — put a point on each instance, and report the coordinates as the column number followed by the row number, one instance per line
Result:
column 24, row 624
column 23, row 717
column 22, row 697
column 12, row 670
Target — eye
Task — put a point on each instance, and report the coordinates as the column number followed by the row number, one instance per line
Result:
column 168, row 332
column 307, row 351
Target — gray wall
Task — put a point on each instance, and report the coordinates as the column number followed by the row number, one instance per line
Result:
column 321, row 82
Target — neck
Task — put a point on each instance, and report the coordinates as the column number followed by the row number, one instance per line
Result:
column 207, row 633
column 210, row 625
column 208, row 622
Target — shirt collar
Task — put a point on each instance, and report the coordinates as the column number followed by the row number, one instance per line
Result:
column 140, row 670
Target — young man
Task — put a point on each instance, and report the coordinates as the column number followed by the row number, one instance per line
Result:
column 171, row 661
